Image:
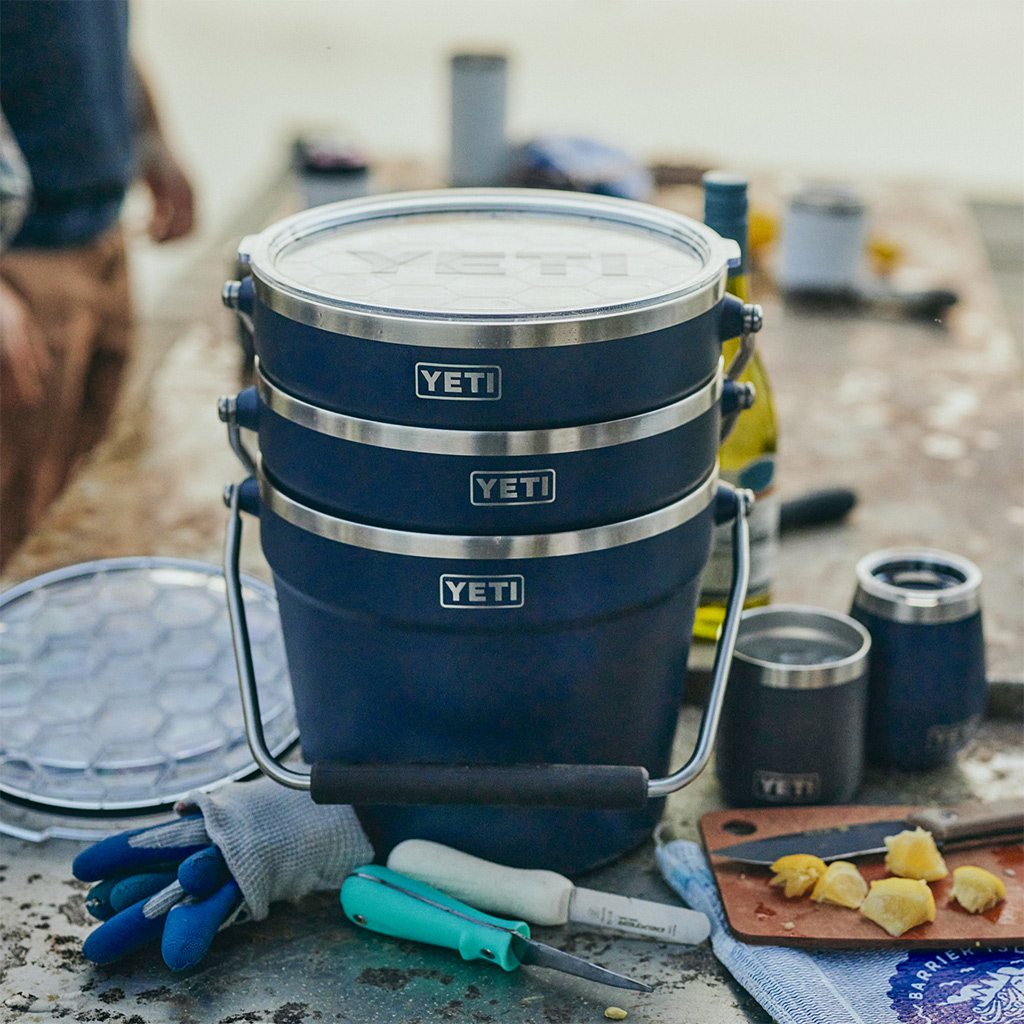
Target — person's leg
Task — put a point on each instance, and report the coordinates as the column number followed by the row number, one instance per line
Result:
column 78, row 302
column 22, row 420
column 106, row 370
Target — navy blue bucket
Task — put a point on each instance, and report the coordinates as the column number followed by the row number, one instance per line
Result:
column 412, row 655
column 499, row 309
column 454, row 481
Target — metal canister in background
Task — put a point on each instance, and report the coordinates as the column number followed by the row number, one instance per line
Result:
column 792, row 729
column 928, row 690
column 479, row 152
column 822, row 246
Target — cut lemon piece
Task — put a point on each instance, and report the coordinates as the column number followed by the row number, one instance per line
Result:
column 797, row 872
column 976, row 889
column 914, row 855
column 841, row 884
column 899, row 904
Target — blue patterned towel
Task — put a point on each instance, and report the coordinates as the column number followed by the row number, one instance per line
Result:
column 959, row 986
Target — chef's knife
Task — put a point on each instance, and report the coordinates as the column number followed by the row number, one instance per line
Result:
column 970, row 824
column 542, row 897
column 387, row 902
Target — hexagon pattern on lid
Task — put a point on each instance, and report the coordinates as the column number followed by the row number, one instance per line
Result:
column 488, row 262
column 118, row 688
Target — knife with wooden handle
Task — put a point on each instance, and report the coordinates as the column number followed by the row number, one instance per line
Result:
column 968, row 824
column 542, row 897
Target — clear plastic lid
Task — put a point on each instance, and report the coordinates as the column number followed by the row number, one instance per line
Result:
column 119, row 690
column 494, row 255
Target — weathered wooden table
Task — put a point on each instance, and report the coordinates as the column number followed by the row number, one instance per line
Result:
column 924, row 422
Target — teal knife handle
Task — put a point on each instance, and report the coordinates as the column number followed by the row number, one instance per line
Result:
column 382, row 908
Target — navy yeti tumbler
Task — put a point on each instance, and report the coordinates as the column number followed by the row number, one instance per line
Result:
column 927, row 691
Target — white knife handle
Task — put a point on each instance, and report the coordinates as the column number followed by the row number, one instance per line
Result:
column 539, row 897
column 640, row 917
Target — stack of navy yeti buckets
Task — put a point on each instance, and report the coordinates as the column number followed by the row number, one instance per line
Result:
column 486, row 483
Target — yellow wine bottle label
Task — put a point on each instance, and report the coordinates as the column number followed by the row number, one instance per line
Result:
column 763, row 520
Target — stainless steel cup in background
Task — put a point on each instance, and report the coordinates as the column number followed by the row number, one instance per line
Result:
column 822, row 245
column 792, row 728
column 928, row 689
column 479, row 151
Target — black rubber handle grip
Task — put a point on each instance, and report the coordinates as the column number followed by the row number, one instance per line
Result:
column 817, row 508
column 608, row 786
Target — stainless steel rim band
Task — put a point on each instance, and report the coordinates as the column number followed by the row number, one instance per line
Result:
column 436, row 441
column 807, row 677
column 487, row 547
column 475, row 331
column 925, row 607
column 488, row 334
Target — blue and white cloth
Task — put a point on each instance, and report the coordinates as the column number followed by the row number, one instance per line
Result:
column 959, row 986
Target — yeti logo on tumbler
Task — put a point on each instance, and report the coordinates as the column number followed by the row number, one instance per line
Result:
column 466, row 383
column 524, row 488
column 787, row 787
column 481, row 591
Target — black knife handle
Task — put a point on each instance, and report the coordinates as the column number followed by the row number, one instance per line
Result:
column 816, row 508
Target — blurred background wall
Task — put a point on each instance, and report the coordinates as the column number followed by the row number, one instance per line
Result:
column 931, row 90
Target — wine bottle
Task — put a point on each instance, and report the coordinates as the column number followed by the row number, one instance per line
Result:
column 747, row 456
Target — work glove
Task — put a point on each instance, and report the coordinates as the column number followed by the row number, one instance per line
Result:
column 228, row 856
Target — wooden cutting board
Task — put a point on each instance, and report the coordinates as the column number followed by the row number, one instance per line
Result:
column 760, row 913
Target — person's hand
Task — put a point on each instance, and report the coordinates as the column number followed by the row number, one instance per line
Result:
column 180, row 882
column 173, row 202
column 25, row 360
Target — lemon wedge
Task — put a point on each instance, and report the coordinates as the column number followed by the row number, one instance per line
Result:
column 899, row 904
column 841, row 884
column 976, row 889
column 914, row 855
column 797, row 872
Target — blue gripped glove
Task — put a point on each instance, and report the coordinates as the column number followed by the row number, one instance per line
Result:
column 853, row 986
column 229, row 855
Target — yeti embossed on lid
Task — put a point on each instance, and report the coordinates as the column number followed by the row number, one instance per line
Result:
column 532, row 258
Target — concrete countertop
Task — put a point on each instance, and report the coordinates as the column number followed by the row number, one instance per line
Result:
column 922, row 421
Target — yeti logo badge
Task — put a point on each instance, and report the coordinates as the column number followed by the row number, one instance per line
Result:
column 481, row 591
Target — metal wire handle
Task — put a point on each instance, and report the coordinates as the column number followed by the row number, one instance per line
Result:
column 301, row 779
